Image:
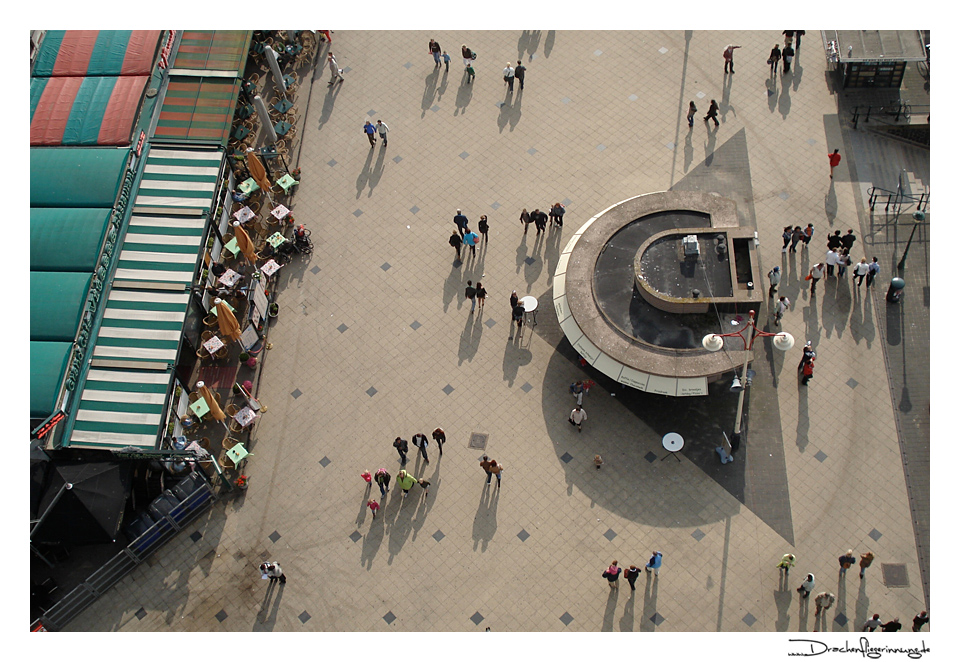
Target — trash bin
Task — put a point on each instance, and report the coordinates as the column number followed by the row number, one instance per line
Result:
column 895, row 291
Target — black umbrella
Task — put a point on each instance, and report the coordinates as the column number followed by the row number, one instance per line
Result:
column 83, row 503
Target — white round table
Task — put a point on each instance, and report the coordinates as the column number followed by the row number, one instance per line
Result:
column 673, row 442
column 530, row 304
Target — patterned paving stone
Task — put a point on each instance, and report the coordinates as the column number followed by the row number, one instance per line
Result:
column 876, row 535
column 140, row 613
column 489, row 322
column 565, row 458
column 749, row 619
column 523, row 535
column 657, row 618
column 397, row 159
column 196, row 536
column 841, row 619
column 852, row 383
column 332, row 162
column 650, row 456
column 221, row 616
column 415, row 325
column 296, row 393
column 371, row 391
column 275, row 536
column 610, row 535
column 342, row 328
column 476, row 618
column 438, row 536
column 698, row 535
column 527, row 387
column 358, row 213
column 386, row 266
column 414, row 209
column 447, row 389
column 324, row 461
column 566, row 618
column 820, row 456
column 355, row 536
column 304, row 617
column 389, row 617
column 495, row 206
column 315, row 270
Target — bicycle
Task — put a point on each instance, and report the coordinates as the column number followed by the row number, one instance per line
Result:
column 898, row 108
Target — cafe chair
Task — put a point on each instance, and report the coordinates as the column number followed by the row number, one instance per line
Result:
column 231, row 410
column 221, row 354
column 229, row 442
column 206, row 335
column 204, row 356
column 226, row 462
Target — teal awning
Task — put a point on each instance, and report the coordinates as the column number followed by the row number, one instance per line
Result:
column 66, row 239
column 56, row 304
column 48, row 361
column 77, row 176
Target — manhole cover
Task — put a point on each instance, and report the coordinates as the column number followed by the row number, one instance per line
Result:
column 478, row 440
column 895, row 574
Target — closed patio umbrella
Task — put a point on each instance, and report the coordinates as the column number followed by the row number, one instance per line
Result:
column 215, row 410
column 229, row 328
column 259, row 173
column 244, row 243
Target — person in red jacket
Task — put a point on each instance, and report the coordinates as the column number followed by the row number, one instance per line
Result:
column 834, row 161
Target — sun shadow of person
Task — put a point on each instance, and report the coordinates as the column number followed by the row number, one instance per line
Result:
column 429, row 91
column 464, row 95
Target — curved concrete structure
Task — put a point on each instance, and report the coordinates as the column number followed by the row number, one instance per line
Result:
column 608, row 347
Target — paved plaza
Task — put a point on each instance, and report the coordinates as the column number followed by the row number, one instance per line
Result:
column 375, row 340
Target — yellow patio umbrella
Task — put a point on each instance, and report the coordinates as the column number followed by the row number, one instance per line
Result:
column 229, row 328
column 215, row 410
column 244, row 243
column 257, row 171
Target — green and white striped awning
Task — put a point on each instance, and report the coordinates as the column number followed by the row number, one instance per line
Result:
column 142, row 327
column 180, row 180
column 120, row 408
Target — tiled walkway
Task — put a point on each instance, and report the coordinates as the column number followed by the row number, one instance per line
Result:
column 375, row 340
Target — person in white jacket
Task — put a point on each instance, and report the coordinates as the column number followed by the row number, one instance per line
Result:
column 577, row 417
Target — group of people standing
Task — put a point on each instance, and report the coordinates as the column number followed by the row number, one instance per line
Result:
column 612, row 573
column 405, row 479
column 463, row 235
column 540, row 219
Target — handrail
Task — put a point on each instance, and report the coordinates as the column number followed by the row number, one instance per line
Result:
column 896, row 198
column 865, row 112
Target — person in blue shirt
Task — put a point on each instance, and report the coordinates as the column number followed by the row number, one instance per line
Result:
column 371, row 132
column 470, row 239
column 654, row 563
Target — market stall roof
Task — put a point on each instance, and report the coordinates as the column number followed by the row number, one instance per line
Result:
column 76, row 177
column 56, row 304
column 98, row 110
column 97, row 53
column 48, row 362
column 873, row 45
column 213, row 50
column 198, row 109
column 66, row 239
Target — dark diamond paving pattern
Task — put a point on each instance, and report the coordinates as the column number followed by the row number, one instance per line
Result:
column 275, row 536
column 566, row 618
column 221, row 616
column 476, row 618
column 355, row 536
column 296, row 393
column 389, row 617
column 325, row 461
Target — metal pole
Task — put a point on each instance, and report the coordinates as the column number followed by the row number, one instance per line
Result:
column 743, row 376
column 903, row 260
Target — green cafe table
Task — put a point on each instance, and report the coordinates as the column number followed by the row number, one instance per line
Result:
column 200, row 407
column 248, row 186
column 286, row 182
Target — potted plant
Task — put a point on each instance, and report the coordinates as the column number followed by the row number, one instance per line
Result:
column 252, row 362
column 274, row 309
column 242, row 481
column 244, row 356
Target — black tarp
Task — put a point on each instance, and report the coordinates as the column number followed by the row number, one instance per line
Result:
column 89, row 513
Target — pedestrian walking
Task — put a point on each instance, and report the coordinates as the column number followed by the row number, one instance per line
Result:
column 712, row 113
column 440, row 436
column 539, row 220
column 518, row 311
column 795, row 238
column 496, row 470
column 788, row 53
column 405, row 481
column 807, row 372
column 631, row 574
column 481, row 295
column 374, row 507
column 807, row 234
column 691, row 111
column 485, row 465
column 525, row 220
column 577, row 417
column 520, row 71
column 774, row 59
column 336, row 73
column 848, row 240
column 514, row 300
column 787, row 236
column 471, row 73
column 783, row 304
column 655, row 562
column 382, row 129
column 456, row 242
column 843, row 262
column 865, row 560
column 435, row 51
column 425, row 484
column 831, row 260
column 834, row 240
column 401, row 446
column 892, row 626
column 728, row 58
column 612, row 575
column 834, row 161
column 787, row 37
column 774, row 276
column 861, row 270
column 597, row 461
column 816, row 273
column 556, row 214
column 808, row 355
column 468, row 55
column 824, row 601
column 872, row 624
column 576, row 389
column 508, row 76
column 272, row 571
column 786, row 562
column 483, row 226
column 846, row 560
column 371, row 132
column 471, row 293
column 446, row 61
column 920, row 620
column 461, row 222
column 872, row 270
column 382, row 477
column 470, row 238
column 420, row 441
column 806, row 587
column 325, row 35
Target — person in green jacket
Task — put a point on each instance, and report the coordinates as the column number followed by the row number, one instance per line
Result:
column 405, row 481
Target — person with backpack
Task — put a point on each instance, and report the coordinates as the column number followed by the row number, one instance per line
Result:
column 420, row 441
column 655, row 561
column 383, row 480
column 782, row 305
column 774, row 276
column 807, row 371
column 872, row 270
column 612, row 575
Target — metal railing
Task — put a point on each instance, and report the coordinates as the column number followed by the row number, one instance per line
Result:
column 138, row 551
column 894, row 201
column 892, row 113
